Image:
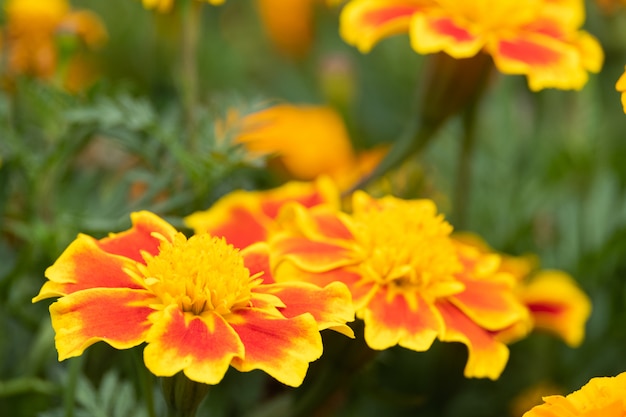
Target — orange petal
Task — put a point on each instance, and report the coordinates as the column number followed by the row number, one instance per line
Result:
column 487, row 356
column 391, row 320
column 331, row 306
column 140, row 237
column 85, row 265
column 491, row 305
column 557, row 305
column 116, row 316
column 310, row 255
column 433, row 32
column 281, row 347
column 201, row 346
column 547, row 62
column 364, row 23
column 256, row 258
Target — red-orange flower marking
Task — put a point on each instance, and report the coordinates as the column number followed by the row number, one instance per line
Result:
column 199, row 304
column 537, row 38
column 411, row 282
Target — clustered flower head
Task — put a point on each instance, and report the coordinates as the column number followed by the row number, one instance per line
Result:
column 537, row 38
column 199, row 304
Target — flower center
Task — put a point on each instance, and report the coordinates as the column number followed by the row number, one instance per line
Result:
column 200, row 274
column 408, row 247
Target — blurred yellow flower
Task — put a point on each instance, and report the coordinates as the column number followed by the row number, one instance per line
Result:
column 537, row 38
column 288, row 24
column 306, row 142
column 621, row 87
column 600, row 397
column 165, row 6
column 38, row 33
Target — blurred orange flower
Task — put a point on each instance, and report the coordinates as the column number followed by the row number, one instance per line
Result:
column 306, row 142
column 600, row 397
column 621, row 87
column 411, row 283
column 199, row 304
column 537, row 38
column 37, row 40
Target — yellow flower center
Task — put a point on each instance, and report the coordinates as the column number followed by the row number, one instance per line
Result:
column 408, row 248
column 200, row 274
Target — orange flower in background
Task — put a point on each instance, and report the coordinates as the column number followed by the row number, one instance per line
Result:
column 411, row 283
column 600, row 397
column 33, row 33
column 244, row 217
column 199, row 304
column 165, row 6
column 537, row 38
column 288, row 24
column 555, row 301
column 307, row 141
column 621, row 87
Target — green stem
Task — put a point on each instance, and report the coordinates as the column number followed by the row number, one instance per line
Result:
column 191, row 20
column 464, row 168
column 69, row 396
column 182, row 395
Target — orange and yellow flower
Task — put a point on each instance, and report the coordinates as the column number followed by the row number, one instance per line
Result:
column 556, row 303
column 244, row 217
column 600, row 397
column 411, row 283
column 306, row 141
column 34, row 29
column 537, row 38
column 621, row 87
column 199, row 304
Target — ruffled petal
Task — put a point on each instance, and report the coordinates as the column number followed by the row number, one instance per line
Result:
column 200, row 346
column 487, row 356
column 281, row 347
column 141, row 237
column 331, row 306
column 85, row 265
column 256, row 258
column 490, row 304
column 118, row 317
column 557, row 305
column 310, row 255
column 437, row 32
column 390, row 319
column 364, row 23
column 546, row 61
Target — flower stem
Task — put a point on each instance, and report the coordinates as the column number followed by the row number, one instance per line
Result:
column 464, row 168
column 182, row 395
column 191, row 19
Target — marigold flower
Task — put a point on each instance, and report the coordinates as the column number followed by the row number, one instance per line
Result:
column 621, row 87
column 411, row 282
column 244, row 217
column 556, row 303
column 300, row 138
column 198, row 303
column 537, row 38
column 600, row 397
column 33, row 29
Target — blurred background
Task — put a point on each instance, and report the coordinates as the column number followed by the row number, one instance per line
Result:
column 548, row 178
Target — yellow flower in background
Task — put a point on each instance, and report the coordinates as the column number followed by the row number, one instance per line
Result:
column 555, row 301
column 288, row 24
column 165, row 6
column 411, row 283
column 34, row 34
column 600, row 397
column 537, row 38
column 198, row 303
column 621, row 87
column 306, row 142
